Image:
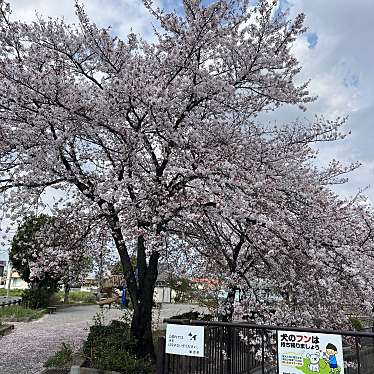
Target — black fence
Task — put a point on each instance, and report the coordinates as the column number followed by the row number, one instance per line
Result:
column 9, row 301
column 241, row 348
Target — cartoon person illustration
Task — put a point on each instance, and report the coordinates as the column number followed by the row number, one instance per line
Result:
column 330, row 356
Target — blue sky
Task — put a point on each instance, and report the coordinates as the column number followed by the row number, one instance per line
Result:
column 337, row 54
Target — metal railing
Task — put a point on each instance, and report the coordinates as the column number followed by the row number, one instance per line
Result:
column 243, row 348
column 6, row 301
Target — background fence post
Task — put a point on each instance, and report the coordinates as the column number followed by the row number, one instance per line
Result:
column 160, row 355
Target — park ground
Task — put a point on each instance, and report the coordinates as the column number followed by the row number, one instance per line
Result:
column 30, row 344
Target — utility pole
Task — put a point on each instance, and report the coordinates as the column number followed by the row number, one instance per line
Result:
column 101, row 264
column 8, row 277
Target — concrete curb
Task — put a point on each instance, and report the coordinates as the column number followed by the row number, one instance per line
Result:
column 6, row 329
column 17, row 319
column 83, row 370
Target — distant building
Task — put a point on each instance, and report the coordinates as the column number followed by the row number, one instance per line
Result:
column 16, row 282
column 10, row 278
column 205, row 283
column 163, row 293
column 2, row 273
column 2, row 268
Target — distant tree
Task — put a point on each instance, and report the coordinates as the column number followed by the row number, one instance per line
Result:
column 24, row 248
column 117, row 269
column 183, row 289
column 68, row 246
column 51, row 251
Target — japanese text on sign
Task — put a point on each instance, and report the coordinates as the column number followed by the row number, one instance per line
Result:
column 185, row 340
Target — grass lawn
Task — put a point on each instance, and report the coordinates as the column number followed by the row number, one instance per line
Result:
column 78, row 297
column 17, row 311
column 324, row 367
column 3, row 292
column 74, row 296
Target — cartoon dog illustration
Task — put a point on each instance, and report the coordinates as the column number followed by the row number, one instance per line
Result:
column 314, row 362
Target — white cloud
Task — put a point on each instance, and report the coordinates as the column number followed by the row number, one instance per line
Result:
column 121, row 15
column 341, row 73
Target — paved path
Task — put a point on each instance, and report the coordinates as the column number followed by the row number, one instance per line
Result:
column 30, row 344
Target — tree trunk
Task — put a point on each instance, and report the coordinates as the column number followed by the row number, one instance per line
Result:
column 140, row 287
column 229, row 305
column 66, row 293
column 141, row 329
column 141, row 324
column 228, row 332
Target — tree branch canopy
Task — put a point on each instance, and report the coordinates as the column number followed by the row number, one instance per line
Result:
column 162, row 139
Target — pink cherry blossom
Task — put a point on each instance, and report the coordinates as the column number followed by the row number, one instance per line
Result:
column 153, row 137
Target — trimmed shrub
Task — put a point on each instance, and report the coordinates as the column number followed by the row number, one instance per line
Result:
column 356, row 323
column 81, row 297
column 75, row 297
column 36, row 298
column 112, row 348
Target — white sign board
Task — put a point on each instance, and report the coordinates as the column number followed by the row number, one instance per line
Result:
column 308, row 353
column 185, row 340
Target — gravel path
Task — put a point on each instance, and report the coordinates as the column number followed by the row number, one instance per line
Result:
column 30, row 344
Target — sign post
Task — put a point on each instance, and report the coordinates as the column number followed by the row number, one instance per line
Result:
column 303, row 352
column 185, row 340
column 123, row 297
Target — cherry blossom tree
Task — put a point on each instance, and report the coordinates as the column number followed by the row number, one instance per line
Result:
column 67, row 250
column 143, row 133
column 51, row 251
column 280, row 230
column 25, row 247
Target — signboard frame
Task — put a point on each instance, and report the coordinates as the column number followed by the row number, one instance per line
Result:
column 185, row 340
column 309, row 352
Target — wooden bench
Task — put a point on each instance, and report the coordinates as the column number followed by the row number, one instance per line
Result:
column 51, row 309
column 109, row 301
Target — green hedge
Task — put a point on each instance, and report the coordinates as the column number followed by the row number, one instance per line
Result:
column 112, row 348
column 78, row 297
column 36, row 298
